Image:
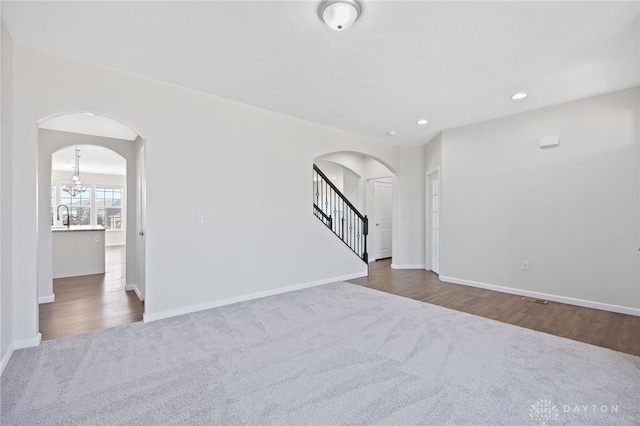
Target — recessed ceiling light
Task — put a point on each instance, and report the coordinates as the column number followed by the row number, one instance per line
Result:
column 422, row 122
column 520, row 95
column 391, row 133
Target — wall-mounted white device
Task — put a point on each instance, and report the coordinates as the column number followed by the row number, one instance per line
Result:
column 549, row 141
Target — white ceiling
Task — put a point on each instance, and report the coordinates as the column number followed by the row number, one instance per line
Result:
column 331, row 170
column 453, row 63
column 93, row 159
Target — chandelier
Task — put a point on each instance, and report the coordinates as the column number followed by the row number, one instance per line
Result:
column 76, row 188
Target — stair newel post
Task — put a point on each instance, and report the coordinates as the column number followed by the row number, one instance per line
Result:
column 365, row 232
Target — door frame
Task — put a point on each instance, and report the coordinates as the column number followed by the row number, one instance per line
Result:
column 43, row 212
column 386, row 180
column 428, row 229
column 370, row 211
column 141, row 222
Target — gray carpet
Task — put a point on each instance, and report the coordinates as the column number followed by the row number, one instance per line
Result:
column 333, row 354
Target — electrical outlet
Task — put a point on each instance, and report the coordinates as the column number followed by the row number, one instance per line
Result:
column 525, row 265
column 97, row 238
column 200, row 218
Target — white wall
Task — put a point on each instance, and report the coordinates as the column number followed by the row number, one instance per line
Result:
column 409, row 210
column 352, row 187
column 48, row 142
column 202, row 158
column 373, row 169
column 6, row 201
column 350, row 160
column 571, row 211
column 433, row 154
column 351, row 166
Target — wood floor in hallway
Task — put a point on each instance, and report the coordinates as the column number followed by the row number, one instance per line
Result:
column 601, row 328
column 92, row 302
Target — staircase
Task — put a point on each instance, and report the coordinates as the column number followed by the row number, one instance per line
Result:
column 333, row 209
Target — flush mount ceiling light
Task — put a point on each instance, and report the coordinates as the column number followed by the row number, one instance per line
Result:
column 520, row 95
column 422, row 122
column 339, row 14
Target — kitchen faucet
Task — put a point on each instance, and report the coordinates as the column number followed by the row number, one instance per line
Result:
column 68, row 215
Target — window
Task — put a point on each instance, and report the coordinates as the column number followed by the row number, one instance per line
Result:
column 109, row 206
column 80, row 206
column 100, row 204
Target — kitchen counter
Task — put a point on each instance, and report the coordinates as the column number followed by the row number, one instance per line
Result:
column 74, row 228
column 78, row 250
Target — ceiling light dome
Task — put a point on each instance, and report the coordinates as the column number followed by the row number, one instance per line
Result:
column 339, row 14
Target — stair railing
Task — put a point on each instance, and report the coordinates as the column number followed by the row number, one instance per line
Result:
column 338, row 214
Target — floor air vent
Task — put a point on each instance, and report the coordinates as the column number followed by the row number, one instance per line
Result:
column 533, row 300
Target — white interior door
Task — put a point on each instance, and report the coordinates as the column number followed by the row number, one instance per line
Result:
column 435, row 222
column 382, row 210
column 142, row 214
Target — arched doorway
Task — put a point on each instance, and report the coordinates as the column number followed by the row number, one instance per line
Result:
column 367, row 182
column 102, row 141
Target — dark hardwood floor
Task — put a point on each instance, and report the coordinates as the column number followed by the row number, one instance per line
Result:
column 91, row 302
column 96, row 302
column 602, row 328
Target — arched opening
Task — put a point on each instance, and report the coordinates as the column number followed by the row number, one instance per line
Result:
column 367, row 183
column 94, row 226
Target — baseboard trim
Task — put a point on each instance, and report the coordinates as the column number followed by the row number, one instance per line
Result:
column 47, row 299
column 134, row 287
column 552, row 297
column 396, row 266
column 5, row 359
column 27, row 343
column 195, row 308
